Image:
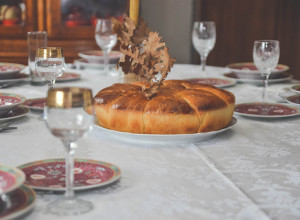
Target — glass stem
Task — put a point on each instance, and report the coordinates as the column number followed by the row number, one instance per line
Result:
column 203, row 62
column 106, row 66
column 50, row 83
column 70, row 147
column 265, row 86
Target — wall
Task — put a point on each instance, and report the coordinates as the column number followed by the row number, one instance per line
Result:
column 173, row 20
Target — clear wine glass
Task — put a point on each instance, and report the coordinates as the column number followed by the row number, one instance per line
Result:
column 67, row 118
column 105, row 38
column 204, row 39
column 50, row 63
column 266, row 56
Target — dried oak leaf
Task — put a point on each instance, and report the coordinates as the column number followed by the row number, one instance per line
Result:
column 124, row 30
column 141, row 32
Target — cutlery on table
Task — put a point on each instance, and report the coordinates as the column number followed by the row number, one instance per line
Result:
column 6, row 126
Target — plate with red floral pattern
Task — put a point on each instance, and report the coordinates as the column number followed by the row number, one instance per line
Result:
column 22, row 200
column 294, row 99
column 50, row 174
column 10, row 178
column 266, row 110
column 296, row 88
column 10, row 68
column 37, row 104
column 68, row 76
column 218, row 82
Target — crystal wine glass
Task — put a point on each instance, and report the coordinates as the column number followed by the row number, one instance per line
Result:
column 50, row 63
column 67, row 119
column 105, row 38
column 266, row 56
column 204, row 39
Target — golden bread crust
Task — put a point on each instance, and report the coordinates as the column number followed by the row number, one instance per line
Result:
column 180, row 107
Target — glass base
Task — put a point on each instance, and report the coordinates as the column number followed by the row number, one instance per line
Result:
column 65, row 207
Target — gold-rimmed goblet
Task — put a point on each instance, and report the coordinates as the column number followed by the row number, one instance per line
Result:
column 50, row 63
column 67, row 118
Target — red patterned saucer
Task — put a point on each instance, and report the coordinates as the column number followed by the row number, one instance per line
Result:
column 35, row 104
column 22, row 200
column 296, row 88
column 68, row 76
column 10, row 178
column 9, row 101
column 295, row 99
column 7, row 69
column 218, row 82
column 50, row 174
column 18, row 112
column 266, row 110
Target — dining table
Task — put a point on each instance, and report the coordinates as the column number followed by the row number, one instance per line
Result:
column 249, row 171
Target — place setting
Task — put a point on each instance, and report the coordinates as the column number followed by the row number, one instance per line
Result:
column 203, row 39
column 11, row 109
column 66, row 118
column 266, row 56
column 247, row 72
column 104, row 59
column 16, row 198
column 12, row 74
column 291, row 95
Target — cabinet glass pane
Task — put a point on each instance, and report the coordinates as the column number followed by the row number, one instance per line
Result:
column 85, row 12
column 12, row 12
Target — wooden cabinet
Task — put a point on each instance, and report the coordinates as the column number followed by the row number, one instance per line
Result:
column 75, row 33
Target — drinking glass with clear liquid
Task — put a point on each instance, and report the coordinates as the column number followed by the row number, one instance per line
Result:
column 50, row 63
column 105, row 39
column 204, row 39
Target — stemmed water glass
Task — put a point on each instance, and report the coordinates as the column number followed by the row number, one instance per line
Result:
column 50, row 63
column 67, row 118
column 204, row 39
column 105, row 38
column 266, row 56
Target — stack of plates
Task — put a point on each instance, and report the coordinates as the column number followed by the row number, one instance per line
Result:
column 11, row 107
column 12, row 72
column 247, row 72
column 16, row 198
column 95, row 59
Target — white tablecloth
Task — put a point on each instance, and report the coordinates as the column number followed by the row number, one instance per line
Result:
column 251, row 171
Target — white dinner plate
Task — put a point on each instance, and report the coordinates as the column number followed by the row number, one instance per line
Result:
column 168, row 138
column 217, row 82
column 96, row 56
column 84, row 63
column 280, row 78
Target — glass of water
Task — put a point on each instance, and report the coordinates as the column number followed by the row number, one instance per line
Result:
column 105, row 39
column 204, row 39
column 50, row 63
column 266, row 56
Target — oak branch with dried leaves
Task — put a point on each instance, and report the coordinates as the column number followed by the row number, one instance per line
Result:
column 144, row 54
